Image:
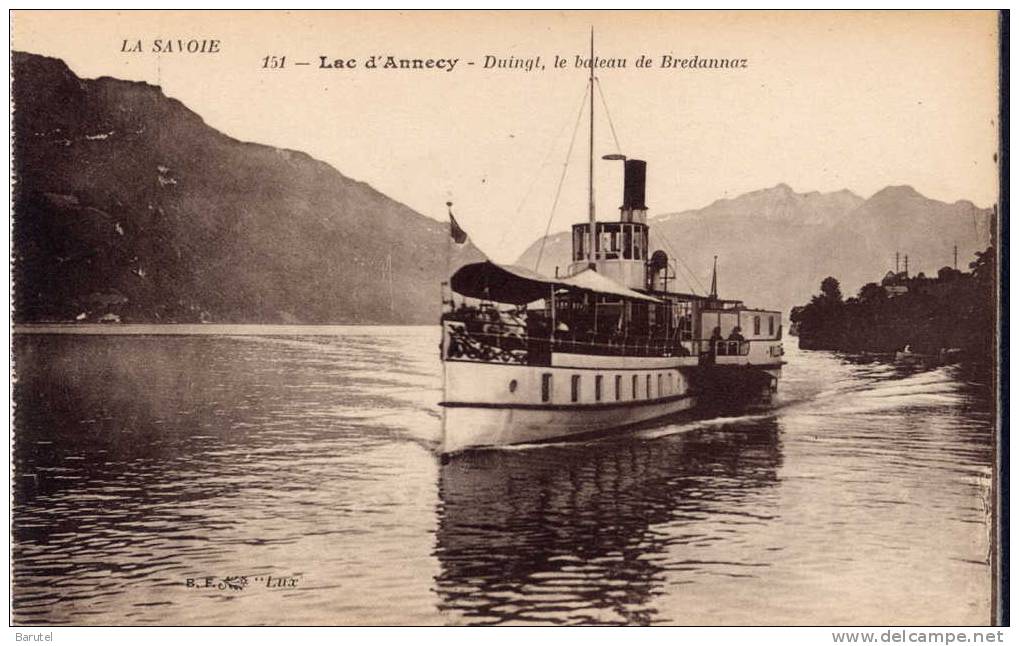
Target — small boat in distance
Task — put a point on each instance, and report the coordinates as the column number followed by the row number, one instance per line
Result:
column 529, row 358
column 944, row 356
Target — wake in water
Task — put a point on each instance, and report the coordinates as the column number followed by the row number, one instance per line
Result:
column 872, row 391
column 701, row 424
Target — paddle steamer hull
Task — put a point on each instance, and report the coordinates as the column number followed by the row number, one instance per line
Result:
column 499, row 405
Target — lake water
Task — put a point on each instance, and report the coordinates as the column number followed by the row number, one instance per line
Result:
column 307, row 458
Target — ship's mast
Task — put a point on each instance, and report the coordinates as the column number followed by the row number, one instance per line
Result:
column 714, row 280
column 590, row 166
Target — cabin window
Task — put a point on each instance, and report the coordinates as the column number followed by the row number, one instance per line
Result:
column 661, row 379
column 649, row 386
column 619, row 387
column 580, row 242
column 757, row 326
column 771, row 326
column 627, row 241
column 597, row 388
column 636, row 243
column 671, row 389
column 635, row 395
column 575, row 388
column 513, row 385
column 546, row 387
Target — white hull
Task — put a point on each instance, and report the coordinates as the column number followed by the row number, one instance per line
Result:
column 489, row 404
column 467, row 427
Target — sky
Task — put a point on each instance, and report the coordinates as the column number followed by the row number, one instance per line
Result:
column 827, row 101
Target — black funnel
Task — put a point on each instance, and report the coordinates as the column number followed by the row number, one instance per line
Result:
column 634, row 179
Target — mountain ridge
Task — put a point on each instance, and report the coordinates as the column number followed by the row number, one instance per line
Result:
column 816, row 234
column 128, row 204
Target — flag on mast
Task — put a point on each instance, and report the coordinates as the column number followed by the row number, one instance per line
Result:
column 458, row 234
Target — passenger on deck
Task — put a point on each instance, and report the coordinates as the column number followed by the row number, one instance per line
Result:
column 537, row 324
column 517, row 317
column 463, row 312
column 731, row 347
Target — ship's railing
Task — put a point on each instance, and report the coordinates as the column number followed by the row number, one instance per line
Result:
column 615, row 345
column 501, row 342
column 731, row 348
column 495, row 342
column 720, row 347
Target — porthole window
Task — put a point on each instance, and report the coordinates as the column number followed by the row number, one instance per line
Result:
column 513, row 385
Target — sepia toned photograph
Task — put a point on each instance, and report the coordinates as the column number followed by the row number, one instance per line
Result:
column 500, row 318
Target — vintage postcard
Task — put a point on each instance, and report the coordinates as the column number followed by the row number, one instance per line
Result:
column 682, row 318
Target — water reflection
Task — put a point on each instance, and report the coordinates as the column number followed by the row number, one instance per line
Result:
column 584, row 533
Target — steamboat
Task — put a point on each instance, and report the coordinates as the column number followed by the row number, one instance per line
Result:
column 606, row 345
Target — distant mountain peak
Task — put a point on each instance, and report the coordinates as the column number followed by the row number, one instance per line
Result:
column 779, row 202
column 903, row 191
column 780, row 191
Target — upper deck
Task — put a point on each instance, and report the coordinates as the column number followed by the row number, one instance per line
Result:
column 512, row 316
column 613, row 307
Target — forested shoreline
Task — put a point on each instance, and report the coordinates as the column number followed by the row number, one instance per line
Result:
column 954, row 310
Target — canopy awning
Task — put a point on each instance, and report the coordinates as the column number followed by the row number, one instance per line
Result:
column 591, row 281
column 518, row 285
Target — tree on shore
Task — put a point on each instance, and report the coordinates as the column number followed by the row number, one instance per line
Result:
column 872, row 293
column 818, row 321
column 954, row 310
column 831, row 290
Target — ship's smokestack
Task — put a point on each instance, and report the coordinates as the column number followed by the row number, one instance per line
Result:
column 634, row 180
